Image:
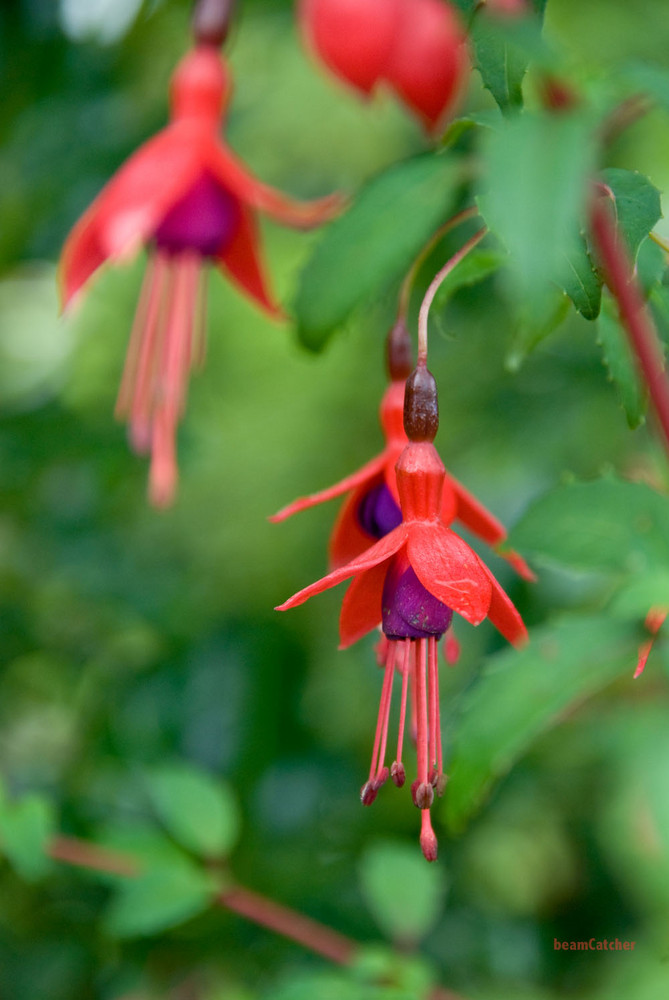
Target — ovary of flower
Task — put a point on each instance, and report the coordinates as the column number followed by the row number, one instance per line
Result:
column 187, row 197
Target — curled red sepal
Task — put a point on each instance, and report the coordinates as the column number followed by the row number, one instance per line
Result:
column 191, row 201
column 415, row 47
column 444, row 564
column 349, row 538
column 654, row 621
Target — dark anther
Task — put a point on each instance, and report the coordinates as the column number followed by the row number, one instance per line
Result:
column 421, row 406
column 398, row 348
column 211, row 21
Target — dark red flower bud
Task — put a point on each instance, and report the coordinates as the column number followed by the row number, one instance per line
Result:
column 211, row 21
column 421, row 405
column 398, row 351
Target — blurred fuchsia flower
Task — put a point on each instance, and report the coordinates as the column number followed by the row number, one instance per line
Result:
column 654, row 622
column 413, row 580
column 187, row 198
column 372, row 508
column 415, row 47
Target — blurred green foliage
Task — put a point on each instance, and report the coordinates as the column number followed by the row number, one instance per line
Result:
column 152, row 702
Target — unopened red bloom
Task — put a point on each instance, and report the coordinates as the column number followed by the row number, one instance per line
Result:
column 372, row 508
column 187, row 198
column 413, row 580
column 416, row 47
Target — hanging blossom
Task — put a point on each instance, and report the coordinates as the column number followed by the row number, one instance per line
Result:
column 415, row 47
column 187, row 198
column 414, row 579
column 372, row 507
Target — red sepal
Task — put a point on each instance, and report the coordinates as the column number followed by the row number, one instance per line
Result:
column 348, row 539
column 503, row 614
column 362, row 477
column 361, row 607
column 242, row 262
column 449, row 569
column 380, row 552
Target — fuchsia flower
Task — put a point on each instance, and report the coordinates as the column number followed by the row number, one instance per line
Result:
column 413, row 580
column 416, row 47
column 372, row 508
column 187, row 198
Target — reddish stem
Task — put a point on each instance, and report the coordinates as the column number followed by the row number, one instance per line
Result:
column 633, row 315
column 305, row 931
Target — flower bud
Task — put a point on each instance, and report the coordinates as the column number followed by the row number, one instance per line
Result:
column 421, row 405
column 398, row 350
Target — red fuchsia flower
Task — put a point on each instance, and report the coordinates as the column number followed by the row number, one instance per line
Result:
column 187, row 198
column 372, row 508
column 654, row 622
column 413, row 580
column 416, row 47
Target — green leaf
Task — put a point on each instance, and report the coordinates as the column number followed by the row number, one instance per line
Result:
column 374, row 242
column 636, row 598
column 476, row 266
column 581, row 281
column 503, row 48
column 489, row 118
column 533, row 326
column 619, row 361
column 608, row 526
column 26, row 826
column 522, row 693
column 200, row 812
column 161, row 898
column 404, row 894
column 653, row 80
column 537, row 172
column 637, row 204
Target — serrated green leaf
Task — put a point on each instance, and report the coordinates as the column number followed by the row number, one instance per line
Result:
column 581, row 281
column 200, row 812
column 374, row 242
column 537, row 171
column 162, row 898
column 503, row 48
column 476, row 266
column 620, row 364
column 531, row 331
column 637, row 204
column 26, row 827
column 522, row 693
column 651, row 265
column 404, row 894
column 607, row 526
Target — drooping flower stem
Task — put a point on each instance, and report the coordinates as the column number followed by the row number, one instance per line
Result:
column 433, row 287
column 408, row 283
column 634, row 317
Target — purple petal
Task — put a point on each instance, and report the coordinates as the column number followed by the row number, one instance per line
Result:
column 409, row 610
column 205, row 219
column 377, row 512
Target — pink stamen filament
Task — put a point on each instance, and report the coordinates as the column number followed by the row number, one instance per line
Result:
column 384, row 713
column 433, row 704
column 421, row 713
column 406, row 670
column 414, row 699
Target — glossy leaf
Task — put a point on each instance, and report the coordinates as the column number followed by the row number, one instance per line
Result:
column 200, row 813
column 619, row 361
column 637, row 204
column 608, row 526
column 581, row 281
column 503, row 48
column 523, row 693
column 537, row 171
column 403, row 893
column 374, row 242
